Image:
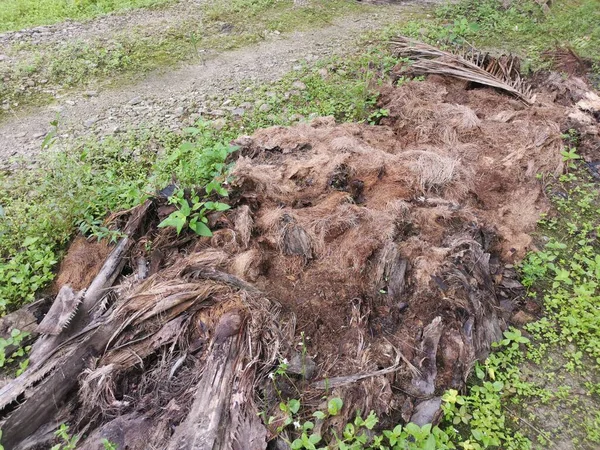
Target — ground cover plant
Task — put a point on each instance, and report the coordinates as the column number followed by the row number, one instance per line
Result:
column 19, row 14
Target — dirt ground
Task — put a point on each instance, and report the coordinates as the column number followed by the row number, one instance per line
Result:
column 154, row 101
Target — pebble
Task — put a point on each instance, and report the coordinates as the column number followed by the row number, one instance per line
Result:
column 90, row 122
column 219, row 124
column 299, row 85
column 265, row 107
column 135, row 101
column 91, row 93
column 2, row 57
column 39, row 135
column 238, row 112
column 179, row 111
column 70, row 102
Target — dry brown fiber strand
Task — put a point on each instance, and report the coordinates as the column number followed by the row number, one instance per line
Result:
column 472, row 66
column 379, row 244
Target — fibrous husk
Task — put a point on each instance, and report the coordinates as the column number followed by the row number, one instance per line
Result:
column 383, row 244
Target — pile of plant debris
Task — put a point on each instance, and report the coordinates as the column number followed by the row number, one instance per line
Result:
column 385, row 251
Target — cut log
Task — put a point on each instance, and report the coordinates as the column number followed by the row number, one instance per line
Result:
column 216, row 420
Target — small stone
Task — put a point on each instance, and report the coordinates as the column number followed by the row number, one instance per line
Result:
column 238, row 112
column 219, row 124
column 522, row 318
column 299, row 85
column 30, row 83
column 90, row 94
column 302, row 365
column 265, row 107
column 90, row 122
column 135, row 101
column 216, row 113
column 227, row 102
column 179, row 111
column 296, row 117
column 115, row 130
column 21, row 135
column 324, row 73
column 39, row 135
column 43, row 81
column 3, row 57
column 247, row 105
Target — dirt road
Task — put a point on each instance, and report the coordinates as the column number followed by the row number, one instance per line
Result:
column 175, row 98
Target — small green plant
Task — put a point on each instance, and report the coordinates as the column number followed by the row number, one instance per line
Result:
column 570, row 156
column 191, row 213
column 108, row 445
column 377, row 115
column 15, row 340
column 68, row 442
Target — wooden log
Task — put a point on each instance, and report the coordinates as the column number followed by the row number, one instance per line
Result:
column 217, row 419
column 43, row 404
column 49, row 395
column 106, row 277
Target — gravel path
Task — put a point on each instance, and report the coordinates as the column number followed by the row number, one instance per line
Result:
column 176, row 99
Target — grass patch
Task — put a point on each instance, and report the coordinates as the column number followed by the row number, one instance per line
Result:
column 19, row 14
column 522, row 28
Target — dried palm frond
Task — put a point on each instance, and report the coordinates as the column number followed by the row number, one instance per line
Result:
column 472, row 65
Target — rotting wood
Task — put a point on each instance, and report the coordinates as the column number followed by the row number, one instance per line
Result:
column 106, row 277
column 208, row 425
column 48, row 396
column 62, row 311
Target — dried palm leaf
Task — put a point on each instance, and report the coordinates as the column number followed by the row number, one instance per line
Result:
column 472, row 65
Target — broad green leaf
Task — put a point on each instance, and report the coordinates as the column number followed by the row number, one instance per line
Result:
column 294, row 405
column 29, row 241
column 319, row 415
column 200, row 228
column 371, row 420
column 314, row 438
column 176, row 220
column 430, row 443
column 334, row 406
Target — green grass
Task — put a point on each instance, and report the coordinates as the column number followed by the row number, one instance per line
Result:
column 130, row 55
column 20, row 14
column 521, row 29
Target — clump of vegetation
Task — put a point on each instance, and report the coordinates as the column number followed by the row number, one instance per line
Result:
column 520, row 28
column 19, row 14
